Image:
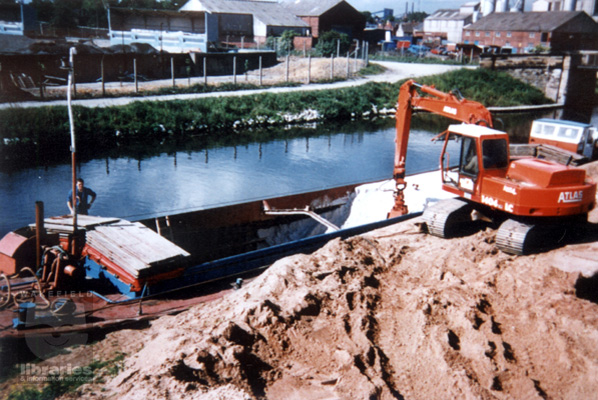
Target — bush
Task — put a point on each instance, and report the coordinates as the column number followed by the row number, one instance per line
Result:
column 491, row 88
column 282, row 44
column 41, row 135
column 328, row 43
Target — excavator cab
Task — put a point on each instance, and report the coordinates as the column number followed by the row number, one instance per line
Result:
column 478, row 150
column 533, row 198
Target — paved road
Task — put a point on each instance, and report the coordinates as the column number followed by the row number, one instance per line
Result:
column 394, row 72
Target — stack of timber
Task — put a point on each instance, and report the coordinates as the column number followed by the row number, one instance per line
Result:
column 547, row 152
column 135, row 248
column 131, row 246
column 64, row 224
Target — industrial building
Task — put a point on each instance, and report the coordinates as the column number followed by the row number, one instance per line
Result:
column 17, row 19
column 589, row 6
column 558, row 25
column 448, row 24
column 204, row 25
column 524, row 31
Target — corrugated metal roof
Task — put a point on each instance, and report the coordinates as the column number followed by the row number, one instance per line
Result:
column 309, row 8
column 268, row 12
column 446, row 15
column 524, row 21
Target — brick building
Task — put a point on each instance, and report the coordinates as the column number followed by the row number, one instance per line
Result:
column 557, row 30
column 328, row 15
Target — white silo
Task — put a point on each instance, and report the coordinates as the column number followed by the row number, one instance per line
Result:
column 570, row 5
column 519, row 6
column 488, row 6
column 502, row 5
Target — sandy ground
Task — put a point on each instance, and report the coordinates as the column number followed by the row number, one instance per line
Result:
column 393, row 314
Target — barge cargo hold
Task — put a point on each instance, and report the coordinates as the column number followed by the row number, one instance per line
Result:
column 110, row 273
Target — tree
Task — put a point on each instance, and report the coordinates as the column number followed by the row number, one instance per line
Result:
column 66, row 13
column 44, row 9
column 93, row 13
column 285, row 42
column 328, row 42
column 417, row 16
column 369, row 18
column 71, row 13
column 539, row 48
column 150, row 4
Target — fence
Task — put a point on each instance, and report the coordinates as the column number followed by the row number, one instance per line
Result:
column 302, row 70
column 100, row 75
column 258, row 68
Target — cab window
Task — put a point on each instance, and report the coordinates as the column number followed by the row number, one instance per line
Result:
column 548, row 130
column 469, row 157
column 495, row 154
column 568, row 133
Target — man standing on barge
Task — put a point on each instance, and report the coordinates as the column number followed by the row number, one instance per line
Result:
column 83, row 198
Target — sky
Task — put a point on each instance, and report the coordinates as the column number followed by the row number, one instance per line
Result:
column 428, row 6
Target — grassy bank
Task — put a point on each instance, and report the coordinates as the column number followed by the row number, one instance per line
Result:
column 43, row 133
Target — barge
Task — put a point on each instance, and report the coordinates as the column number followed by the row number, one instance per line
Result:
column 79, row 273
column 109, row 273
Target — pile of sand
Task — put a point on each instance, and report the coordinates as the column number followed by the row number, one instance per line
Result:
column 392, row 314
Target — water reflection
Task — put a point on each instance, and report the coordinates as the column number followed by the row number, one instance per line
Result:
column 198, row 173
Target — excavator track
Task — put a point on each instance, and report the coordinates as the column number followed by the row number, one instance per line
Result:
column 514, row 237
column 447, row 218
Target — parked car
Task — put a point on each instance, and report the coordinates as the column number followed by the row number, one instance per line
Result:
column 403, row 45
column 419, row 50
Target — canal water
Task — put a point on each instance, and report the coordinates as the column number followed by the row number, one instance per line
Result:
column 186, row 179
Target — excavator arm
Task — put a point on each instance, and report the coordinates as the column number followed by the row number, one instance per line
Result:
column 450, row 105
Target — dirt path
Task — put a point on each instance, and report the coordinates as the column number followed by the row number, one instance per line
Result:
column 298, row 73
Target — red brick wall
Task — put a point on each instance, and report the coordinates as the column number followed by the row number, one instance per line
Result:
column 302, row 42
column 518, row 40
column 314, row 23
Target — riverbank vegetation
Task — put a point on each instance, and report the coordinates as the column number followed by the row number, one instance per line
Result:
column 410, row 58
column 41, row 135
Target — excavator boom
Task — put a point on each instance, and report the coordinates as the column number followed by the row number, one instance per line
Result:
column 450, row 105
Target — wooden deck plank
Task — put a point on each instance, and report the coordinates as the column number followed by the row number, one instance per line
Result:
column 142, row 242
column 131, row 245
column 114, row 253
column 134, row 247
column 159, row 247
column 64, row 223
column 83, row 221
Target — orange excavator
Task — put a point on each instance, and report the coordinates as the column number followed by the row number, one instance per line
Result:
column 532, row 200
